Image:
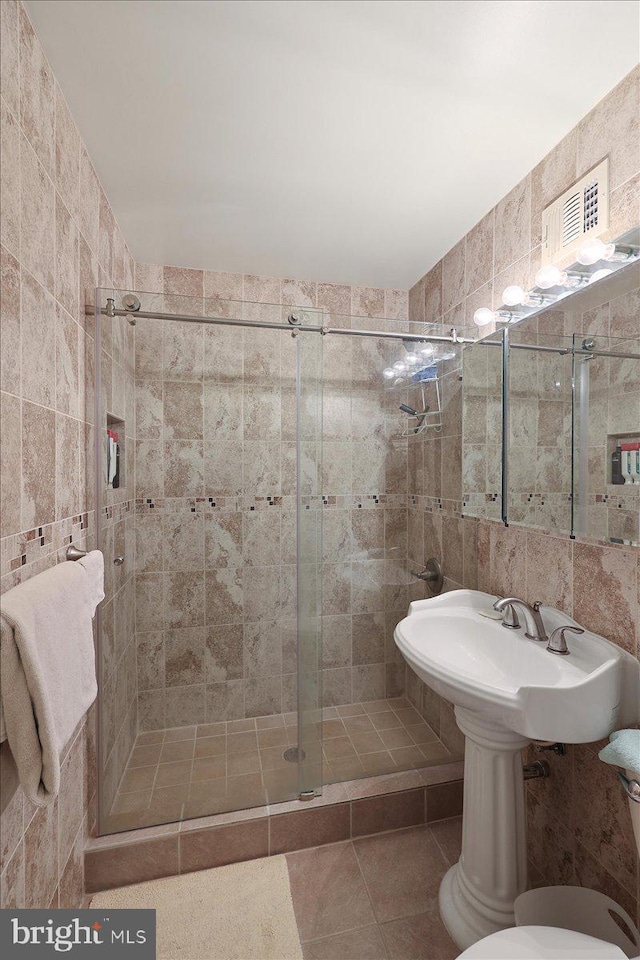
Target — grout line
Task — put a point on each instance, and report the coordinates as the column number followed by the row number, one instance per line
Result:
column 330, row 936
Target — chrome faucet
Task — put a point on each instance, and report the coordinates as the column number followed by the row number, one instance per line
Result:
column 534, row 625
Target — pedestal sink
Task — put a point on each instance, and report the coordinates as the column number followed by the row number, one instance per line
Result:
column 507, row 690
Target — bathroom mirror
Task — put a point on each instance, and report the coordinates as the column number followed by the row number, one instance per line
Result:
column 538, row 423
column 606, row 413
column 572, row 413
column 482, row 428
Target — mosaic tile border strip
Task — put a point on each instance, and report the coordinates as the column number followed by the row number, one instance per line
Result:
column 20, row 552
column 116, row 511
column 436, row 505
column 235, row 504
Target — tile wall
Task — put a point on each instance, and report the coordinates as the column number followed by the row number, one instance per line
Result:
column 215, row 500
column 59, row 239
column 579, row 826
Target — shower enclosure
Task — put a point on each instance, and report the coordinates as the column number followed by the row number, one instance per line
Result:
column 251, row 481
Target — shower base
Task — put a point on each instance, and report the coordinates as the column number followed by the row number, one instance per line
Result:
column 197, row 771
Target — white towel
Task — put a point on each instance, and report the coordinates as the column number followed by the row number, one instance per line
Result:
column 48, row 677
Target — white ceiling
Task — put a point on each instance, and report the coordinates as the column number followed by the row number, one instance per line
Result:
column 345, row 140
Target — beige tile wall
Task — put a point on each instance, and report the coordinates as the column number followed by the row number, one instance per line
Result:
column 579, row 826
column 58, row 240
column 215, row 455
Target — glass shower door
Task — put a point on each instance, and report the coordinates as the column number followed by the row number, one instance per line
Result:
column 309, row 561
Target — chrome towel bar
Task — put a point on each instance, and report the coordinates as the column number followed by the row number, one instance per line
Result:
column 73, row 553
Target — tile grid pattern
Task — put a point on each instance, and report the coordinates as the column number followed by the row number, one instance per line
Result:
column 375, row 897
column 214, row 416
column 503, row 249
column 198, row 771
column 58, row 240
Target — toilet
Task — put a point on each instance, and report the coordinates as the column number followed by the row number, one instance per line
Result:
column 529, row 941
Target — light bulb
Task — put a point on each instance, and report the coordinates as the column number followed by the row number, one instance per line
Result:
column 593, row 250
column 599, row 274
column 399, row 366
column 412, row 359
column 550, row 276
column 483, row 316
column 513, row 296
column 388, row 374
column 447, row 355
column 427, row 350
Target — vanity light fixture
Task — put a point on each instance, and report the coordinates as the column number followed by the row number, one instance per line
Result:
column 399, row 367
column 593, row 250
column 550, row 276
column 514, row 296
column 483, row 316
column 389, row 373
column 553, row 284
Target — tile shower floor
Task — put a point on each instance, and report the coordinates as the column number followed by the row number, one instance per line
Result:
column 196, row 771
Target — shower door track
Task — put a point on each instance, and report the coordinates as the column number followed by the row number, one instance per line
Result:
column 132, row 315
column 351, row 332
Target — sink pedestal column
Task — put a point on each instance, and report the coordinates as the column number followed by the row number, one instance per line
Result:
column 477, row 893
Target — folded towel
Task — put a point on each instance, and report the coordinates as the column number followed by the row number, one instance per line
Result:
column 623, row 750
column 48, row 677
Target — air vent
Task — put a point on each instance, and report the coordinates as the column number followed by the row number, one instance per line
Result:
column 581, row 211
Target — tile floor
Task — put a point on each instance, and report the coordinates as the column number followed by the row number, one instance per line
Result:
column 375, row 898
column 212, row 768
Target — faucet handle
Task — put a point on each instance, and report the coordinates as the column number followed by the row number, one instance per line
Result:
column 510, row 617
column 508, row 611
column 559, row 645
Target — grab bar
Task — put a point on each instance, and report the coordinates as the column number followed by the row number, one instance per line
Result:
column 630, row 787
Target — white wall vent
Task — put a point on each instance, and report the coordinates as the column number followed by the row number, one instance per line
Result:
column 581, row 211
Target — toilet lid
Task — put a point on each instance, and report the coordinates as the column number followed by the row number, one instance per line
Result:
column 541, row 943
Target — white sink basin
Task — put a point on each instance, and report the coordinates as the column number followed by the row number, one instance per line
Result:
column 507, row 690
column 476, row 663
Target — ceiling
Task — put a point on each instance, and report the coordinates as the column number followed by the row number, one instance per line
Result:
column 345, row 140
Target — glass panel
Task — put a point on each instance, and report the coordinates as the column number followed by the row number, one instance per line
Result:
column 606, row 433
column 482, row 428
column 309, row 560
column 538, row 411
column 199, row 630
column 389, row 461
